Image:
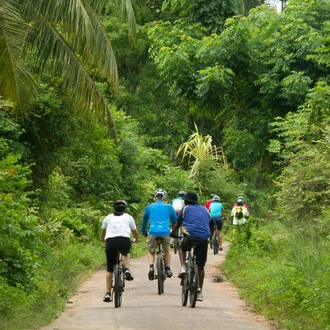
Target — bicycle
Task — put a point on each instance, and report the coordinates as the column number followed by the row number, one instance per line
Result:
column 176, row 242
column 215, row 242
column 190, row 283
column 118, row 281
column 160, row 266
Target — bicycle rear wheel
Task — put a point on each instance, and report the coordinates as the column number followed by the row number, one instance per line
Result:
column 160, row 273
column 176, row 245
column 194, row 286
column 119, row 282
column 184, row 292
column 215, row 243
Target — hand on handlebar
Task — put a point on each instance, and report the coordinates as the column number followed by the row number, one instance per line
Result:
column 136, row 241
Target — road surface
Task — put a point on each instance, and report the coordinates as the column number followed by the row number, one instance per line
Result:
column 143, row 308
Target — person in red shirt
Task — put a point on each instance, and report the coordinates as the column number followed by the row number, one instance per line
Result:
column 209, row 202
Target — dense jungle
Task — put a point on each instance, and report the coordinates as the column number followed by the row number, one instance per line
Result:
column 109, row 99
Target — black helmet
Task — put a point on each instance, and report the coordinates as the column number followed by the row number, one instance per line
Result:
column 191, row 197
column 120, row 205
column 160, row 194
column 212, row 195
column 181, row 193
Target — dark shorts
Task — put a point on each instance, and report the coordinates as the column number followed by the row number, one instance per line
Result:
column 200, row 249
column 112, row 246
column 218, row 222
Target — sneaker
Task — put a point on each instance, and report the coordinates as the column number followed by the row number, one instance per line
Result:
column 107, row 297
column 151, row 274
column 128, row 275
column 168, row 272
column 199, row 296
column 182, row 272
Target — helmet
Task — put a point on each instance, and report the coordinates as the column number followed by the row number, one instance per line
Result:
column 181, row 193
column 212, row 195
column 191, row 197
column 216, row 198
column 119, row 205
column 240, row 201
column 160, row 193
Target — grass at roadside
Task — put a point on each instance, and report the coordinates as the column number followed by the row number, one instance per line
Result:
column 67, row 267
column 282, row 275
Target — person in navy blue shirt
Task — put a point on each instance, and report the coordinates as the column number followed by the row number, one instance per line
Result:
column 160, row 217
column 195, row 220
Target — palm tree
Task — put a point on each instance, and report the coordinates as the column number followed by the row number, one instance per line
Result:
column 69, row 35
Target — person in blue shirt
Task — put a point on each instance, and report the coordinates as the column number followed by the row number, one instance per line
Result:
column 218, row 214
column 195, row 220
column 160, row 216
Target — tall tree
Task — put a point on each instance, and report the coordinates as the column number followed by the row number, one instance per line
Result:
column 67, row 33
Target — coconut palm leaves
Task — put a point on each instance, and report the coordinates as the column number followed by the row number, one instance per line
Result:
column 66, row 33
column 199, row 149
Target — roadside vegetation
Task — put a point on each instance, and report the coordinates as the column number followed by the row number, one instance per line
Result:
column 233, row 103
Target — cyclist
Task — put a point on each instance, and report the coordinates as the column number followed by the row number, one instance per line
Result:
column 178, row 202
column 160, row 215
column 195, row 220
column 218, row 214
column 241, row 198
column 240, row 213
column 116, row 230
column 209, row 202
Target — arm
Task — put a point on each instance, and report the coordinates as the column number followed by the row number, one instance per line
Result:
column 136, row 235
column 103, row 235
column 145, row 221
column 223, row 213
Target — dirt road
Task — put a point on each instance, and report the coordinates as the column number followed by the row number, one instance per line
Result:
column 143, row 308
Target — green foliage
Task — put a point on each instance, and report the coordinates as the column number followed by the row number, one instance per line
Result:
column 282, row 275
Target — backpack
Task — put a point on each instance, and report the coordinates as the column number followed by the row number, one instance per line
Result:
column 177, row 205
column 239, row 212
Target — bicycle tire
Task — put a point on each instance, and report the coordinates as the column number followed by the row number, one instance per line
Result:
column 215, row 243
column 184, row 291
column 176, row 245
column 194, row 287
column 118, row 285
column 160, row 273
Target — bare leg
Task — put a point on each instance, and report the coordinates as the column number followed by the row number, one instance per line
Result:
column 201, row 274
column 182, row 256
column 167, row 255
column 108, row 280
column 151, row 258
column 220, row 237
column 126, row 260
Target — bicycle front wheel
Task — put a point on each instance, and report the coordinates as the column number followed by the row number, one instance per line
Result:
column 194, row 286
column 160, row 273
column 119, row 282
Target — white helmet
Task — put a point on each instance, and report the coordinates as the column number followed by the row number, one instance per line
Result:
column 160, row 193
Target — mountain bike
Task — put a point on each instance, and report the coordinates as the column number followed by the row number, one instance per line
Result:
column 176, row 241
column 190, row 283
column 215, row 242
column 160, row 266
column 118, row 281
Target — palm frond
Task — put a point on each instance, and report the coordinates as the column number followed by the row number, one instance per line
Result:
column 16, row 82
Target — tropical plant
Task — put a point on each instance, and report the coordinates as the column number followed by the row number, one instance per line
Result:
column 199, row 149
column 70, row 37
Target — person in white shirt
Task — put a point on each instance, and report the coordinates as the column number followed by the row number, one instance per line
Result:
column 116, row 231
